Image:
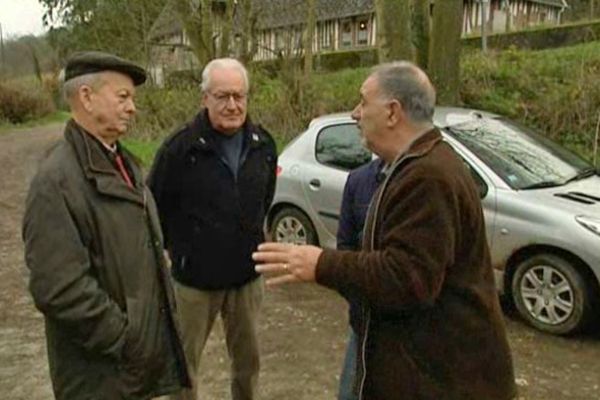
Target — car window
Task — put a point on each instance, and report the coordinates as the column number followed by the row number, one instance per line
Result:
column 340, row 146
column 479, row 182
column 521, row 157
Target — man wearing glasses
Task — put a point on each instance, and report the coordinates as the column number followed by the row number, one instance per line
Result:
column 213, row 181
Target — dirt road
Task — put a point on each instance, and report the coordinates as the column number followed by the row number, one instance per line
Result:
column 303, row 327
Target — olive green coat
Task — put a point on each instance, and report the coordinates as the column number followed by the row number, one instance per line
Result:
column 94, row 249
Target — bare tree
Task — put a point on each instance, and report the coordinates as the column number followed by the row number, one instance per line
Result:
column 421, row 26
column 394, row 34
column 444, row 52
column 309, row 36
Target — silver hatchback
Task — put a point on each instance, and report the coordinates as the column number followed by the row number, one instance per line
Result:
column 541, row 205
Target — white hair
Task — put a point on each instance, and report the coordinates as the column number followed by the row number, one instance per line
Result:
column 407, row 83
column 70, row 87
column 222, row 63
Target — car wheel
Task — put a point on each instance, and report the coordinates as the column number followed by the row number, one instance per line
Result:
column 551, row 294
column 291, row 225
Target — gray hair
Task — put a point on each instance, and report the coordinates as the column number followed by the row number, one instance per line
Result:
column 70, row 87
column 407, row 83
column 225, row 63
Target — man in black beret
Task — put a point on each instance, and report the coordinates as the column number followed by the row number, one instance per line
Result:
column 94, row 249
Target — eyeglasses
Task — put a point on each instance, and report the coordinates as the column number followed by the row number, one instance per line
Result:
column 223, row 97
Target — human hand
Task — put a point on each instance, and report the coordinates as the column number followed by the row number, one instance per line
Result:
column 292, row 263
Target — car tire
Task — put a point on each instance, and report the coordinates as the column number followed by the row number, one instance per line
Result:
column 551, row 294
column 291, row 225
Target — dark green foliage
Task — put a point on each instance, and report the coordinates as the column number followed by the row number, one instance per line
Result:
column 557, row 91
column 333, row 61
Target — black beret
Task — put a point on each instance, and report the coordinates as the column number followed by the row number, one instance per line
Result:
column 88, row 62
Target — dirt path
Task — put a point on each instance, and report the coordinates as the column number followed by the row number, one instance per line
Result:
column 303, row 327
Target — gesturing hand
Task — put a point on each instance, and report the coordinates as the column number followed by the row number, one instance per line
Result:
column 292, row 263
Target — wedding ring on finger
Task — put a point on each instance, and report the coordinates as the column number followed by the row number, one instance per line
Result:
column 286, row 267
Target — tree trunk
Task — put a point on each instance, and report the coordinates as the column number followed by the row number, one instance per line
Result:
column 193, row 24
column 421, row 31
column 206, row 26
column 508, row 9
column 444, row 55
column 246, row 31
column 394, row 33
column 226, row 24
column 309, row 35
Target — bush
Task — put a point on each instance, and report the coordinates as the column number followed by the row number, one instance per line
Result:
column 556, row 91
column 20, row 104
column 161, row 110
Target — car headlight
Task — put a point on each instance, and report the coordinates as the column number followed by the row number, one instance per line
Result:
column 591, row 223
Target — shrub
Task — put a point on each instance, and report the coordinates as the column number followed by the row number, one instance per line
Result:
column 161, row 110
column 556, row 91
column 19, row 104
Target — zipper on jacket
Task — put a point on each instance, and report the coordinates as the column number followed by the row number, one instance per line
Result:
column 384, row 184
column 363, row 356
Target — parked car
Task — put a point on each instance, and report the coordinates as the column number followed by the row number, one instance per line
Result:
column 541, row 204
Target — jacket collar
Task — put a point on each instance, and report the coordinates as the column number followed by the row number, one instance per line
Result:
column 202, row 132
column 421, row 146
column 99, row 169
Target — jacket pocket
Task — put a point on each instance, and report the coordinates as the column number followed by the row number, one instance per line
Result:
column 141, row 354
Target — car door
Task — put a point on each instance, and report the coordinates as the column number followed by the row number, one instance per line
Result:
column 338, row 149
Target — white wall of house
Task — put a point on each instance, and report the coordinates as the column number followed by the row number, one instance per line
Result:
column 356, row 32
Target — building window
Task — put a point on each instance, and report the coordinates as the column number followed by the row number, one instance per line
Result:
column 347, row 33
column 325, row 32
column 362, row 32
column 280, row 44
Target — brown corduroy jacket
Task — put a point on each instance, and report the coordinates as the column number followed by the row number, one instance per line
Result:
column 431, row 327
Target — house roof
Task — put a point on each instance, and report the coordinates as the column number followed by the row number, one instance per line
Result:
column 281, row 13
column 273, row 14
column 167, row 22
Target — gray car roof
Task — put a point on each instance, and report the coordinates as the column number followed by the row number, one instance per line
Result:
column 443, row 116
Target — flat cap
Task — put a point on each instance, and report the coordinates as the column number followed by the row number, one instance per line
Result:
column 88, row 62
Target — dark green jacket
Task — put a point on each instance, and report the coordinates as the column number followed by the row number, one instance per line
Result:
column 94, row 249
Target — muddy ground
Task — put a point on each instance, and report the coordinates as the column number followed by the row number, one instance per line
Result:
column 303, row 328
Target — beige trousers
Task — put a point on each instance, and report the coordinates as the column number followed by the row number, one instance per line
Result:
column 239, row 309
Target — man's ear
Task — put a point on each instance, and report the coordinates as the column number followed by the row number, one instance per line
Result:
column 396, row 113
column 85, row 97
column 203, row 100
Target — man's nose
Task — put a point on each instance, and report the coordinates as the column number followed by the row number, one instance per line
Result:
column 130, row 107
column 356, row 113
column 230, row 102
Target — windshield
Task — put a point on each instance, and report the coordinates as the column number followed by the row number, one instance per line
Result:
column 521, row 157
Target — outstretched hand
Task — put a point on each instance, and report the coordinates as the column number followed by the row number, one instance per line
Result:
column 291, row 263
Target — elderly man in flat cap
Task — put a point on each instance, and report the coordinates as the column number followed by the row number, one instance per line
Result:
column 94, row 249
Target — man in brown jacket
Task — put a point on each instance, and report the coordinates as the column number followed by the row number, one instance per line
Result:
column 94, row 249
column 431, row 326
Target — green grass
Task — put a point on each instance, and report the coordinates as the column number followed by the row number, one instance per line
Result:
column 55, row 117
column 142, row 149
column 145, row 149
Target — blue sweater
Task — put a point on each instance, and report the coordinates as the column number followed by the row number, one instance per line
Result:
column 358, row 191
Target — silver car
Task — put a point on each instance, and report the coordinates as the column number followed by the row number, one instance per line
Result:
column 541, row 205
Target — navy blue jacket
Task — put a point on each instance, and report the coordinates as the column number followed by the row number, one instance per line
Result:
column 211, row 220
column 358, row 191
